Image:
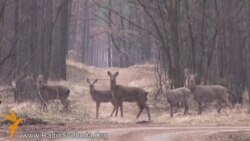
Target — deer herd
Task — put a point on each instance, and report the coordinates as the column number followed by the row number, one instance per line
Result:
column 117, row 94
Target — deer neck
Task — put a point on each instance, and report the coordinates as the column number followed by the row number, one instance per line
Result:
column 192, row 88
column 113, row 86
column 40, row 86
column 92, row 91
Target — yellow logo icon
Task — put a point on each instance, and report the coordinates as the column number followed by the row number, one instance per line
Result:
column 15, row 123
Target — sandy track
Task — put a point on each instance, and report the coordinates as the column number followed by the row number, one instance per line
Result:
column 160, row 133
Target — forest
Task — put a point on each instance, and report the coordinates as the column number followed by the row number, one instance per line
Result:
column 162, row 43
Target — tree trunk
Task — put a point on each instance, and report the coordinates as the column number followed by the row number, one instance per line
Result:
column 86, row 54
column 59, row 40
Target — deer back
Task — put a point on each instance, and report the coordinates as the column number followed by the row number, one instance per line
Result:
column 48, row 92
column 130, row 93
column 101, row 95
column 63, row 91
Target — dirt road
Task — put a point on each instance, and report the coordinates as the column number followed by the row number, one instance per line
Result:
column 157, row 133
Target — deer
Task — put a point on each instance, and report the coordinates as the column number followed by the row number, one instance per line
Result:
column 204, row 94
column 129, row 94
column 176, row 96
column 22, row 83
column 52, row 92
column 100, row 96
column 4, row 90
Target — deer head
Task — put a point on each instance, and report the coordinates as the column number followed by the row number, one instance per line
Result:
column 41, row 80
column 91, row 85
column 112, row 79
column 191, row 81
column 169, row 84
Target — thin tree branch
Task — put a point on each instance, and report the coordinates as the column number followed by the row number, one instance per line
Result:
column 128, row 20
column 10, row 54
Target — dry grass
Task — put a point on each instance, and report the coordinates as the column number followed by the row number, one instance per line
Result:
column 228, row 117
column 83, row 107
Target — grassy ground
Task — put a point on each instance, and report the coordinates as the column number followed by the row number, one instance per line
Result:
column 83, row 107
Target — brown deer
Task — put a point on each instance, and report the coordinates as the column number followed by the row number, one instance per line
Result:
column 130, row 94
column 204, row 94
column 100, row 96
column 52, row 92
column 22, row 83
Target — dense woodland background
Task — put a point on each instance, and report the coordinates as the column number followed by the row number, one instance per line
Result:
column 207, row 37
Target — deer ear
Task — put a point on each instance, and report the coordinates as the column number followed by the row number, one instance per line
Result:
column 117, row 73
column 95, row 81
column 32, row 76
column 109, row 73
column 88, row 80
column 13, row 83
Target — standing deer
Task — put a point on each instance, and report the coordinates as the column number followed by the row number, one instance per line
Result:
column 177, row 96
column 100, row 96
column 4, row 90
column 22, row 83
column 204, row 94
column 130, row 94
column 52, row 92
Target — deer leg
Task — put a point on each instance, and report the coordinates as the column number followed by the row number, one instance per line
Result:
column 43, row 106
column 141, row 108
column 116, row 106
column 119, row 104
column 116, row 110
column 15, row 96
column 68, row 105
column 186, row 107
column 219, row 106
column 97, row 109
column 121, row 109
column 205, row 105
column 228, row 103
column 171, row 110
column 56, row 105
column 147, row 109
column 114, row 103
column 199, row 108
column 45, row 109
column 64, row 103
column 112, row 111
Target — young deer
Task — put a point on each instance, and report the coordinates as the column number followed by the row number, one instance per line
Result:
column 129, row 94
column 177, row 96
column 52, row 92
column 100, row 96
